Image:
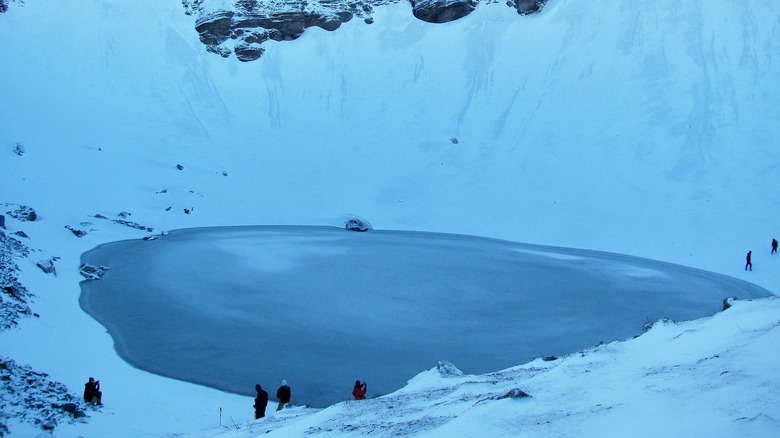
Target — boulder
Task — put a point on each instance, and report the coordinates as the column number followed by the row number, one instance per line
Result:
column 447, row 369
column 76, row 232
column 92, row 272
column 528, row 7
column 24, row 214
column 47, row 266
column 357, row 224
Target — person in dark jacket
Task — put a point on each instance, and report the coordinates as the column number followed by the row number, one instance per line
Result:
column 92, row 393
column 359, row 391
column 261, row 402
column 774, row 246
column 283, row 394
column 749, row 264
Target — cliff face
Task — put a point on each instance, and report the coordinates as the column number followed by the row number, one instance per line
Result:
column 240, row 27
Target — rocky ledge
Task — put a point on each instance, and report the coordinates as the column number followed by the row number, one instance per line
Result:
column 244, row 25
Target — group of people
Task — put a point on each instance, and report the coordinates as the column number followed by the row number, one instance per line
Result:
column 283, row 394
column 749, row 257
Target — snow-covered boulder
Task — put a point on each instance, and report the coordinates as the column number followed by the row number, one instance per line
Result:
column 357, row 224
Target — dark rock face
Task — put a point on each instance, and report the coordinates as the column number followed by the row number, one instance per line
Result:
column 3, row 6
column 244, row 27
column 442, row 11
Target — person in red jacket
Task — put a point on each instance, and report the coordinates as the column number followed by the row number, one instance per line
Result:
column 359, row 391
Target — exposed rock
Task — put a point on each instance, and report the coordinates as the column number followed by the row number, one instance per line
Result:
column 357, row 224
column 442, row 11
column 180, row 167
column 3, row 8
column 242, row 26
column 14, row 297
column 23, row 213
column 19, row 149
column 2, row 221
column 47, row 266
column 91, row 272
column 31, row 397
column 447, row 369
column 22, row 234
column 513, row 393
column 124, row 222
column 76, row 232
column 528, row 7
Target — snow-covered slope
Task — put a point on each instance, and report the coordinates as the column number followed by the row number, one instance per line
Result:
column 639, row 127
column 710, row 377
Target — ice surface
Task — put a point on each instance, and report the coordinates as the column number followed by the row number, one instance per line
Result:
column 229, row 307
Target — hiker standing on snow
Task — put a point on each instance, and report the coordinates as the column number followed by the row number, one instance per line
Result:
column 774, row 246
column 749, row 263
column 283, row 394
column 261, row 401
column 359, row 391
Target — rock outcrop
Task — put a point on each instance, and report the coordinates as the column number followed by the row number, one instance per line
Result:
column 243, row 28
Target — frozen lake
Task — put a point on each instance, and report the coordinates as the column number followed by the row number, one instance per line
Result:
column 321, row 307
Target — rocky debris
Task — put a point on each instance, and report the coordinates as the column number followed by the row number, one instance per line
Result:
column 180, row 167
column 189, row 210
column 31, row 397
column 125, row 222
column 91, row 272
column 76, row 232
column 14, row 297
column 454, row 140
column 47, row 266
column 241, row 27
column 357, row 224
column 22, row 234
column 22, row 213
column 3, row 8
column 2, row 221
column 19, row 149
